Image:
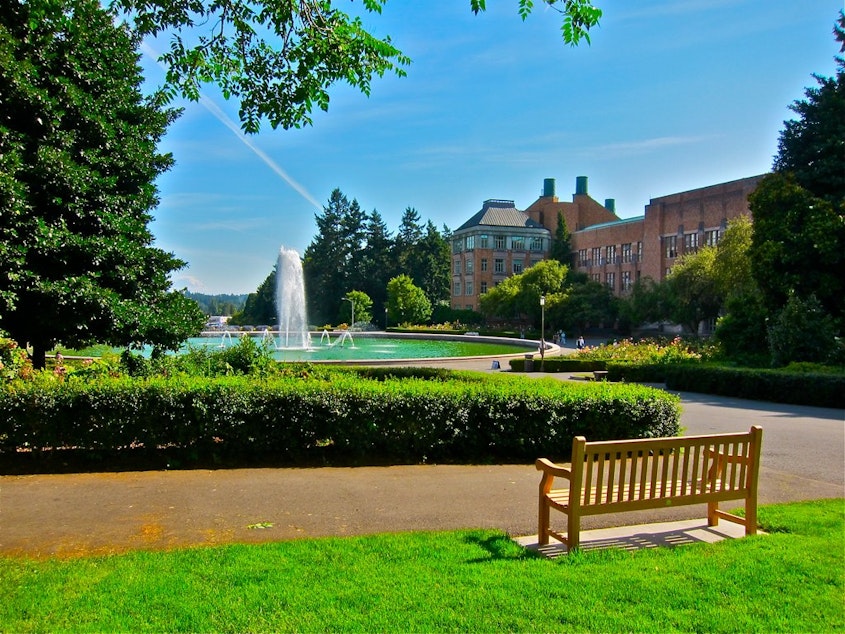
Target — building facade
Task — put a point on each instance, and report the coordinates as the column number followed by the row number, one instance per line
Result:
column 611, row 250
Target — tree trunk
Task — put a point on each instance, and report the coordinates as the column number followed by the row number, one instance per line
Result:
column 39, row 356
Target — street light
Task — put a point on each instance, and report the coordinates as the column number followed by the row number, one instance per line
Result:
column 351, row 301
column 385, row 317
column 542, row 331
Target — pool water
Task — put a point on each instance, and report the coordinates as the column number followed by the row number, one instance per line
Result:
column 364, row 346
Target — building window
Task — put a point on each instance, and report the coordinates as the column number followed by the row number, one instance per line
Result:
column 596, row 277
column 482, row 242
column 690, row 242
column 498, row 265
column 483, row 264
column 536, row 244
column 456, row 267
column 457, row 245
column 518, row 243
column 595, row 256
column 499, row 242
column 610, row 280
column 468, row 265
column 517, row 267
column 470, row 243
column 670, row 246
column 535, row 262
column 469, row 288
column 626, row 280
column 711, row 237
column 610, row 254
column 456, row 288
column 639, row 251
column 582, row 257
column 483, row 287
column 626, row 252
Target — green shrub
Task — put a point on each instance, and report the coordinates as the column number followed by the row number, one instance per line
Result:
column 14, row 362
column 802, row 331
column 338, row 418
column 798, row 388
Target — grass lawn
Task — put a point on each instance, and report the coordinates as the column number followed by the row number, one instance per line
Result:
column 788, row 581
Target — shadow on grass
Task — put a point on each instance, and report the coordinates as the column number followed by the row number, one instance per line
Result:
column 499, row 547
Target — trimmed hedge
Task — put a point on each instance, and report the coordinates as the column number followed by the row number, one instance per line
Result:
column 778, row 386
column 559, row 364
column 344, row 420
column 819, row 389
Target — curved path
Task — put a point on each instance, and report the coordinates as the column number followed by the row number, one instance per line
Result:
column 82, row 514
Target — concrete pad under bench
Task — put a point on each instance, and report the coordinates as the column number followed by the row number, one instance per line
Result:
column 641, row 536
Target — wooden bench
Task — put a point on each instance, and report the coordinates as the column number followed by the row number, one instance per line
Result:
column 631, row 475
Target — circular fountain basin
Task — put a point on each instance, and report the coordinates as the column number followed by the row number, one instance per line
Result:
column 375, row 347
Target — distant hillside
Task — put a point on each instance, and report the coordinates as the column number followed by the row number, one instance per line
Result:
column 218, row 304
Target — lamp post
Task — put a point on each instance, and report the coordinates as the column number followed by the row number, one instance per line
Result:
column 542, row 332
column 385, row 318
column 351, row 301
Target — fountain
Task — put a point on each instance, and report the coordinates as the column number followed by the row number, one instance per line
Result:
column 290, row 301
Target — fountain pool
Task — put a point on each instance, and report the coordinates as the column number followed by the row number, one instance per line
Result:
column 378, row 346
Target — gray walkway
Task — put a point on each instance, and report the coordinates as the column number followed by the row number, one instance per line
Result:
column 803, row 458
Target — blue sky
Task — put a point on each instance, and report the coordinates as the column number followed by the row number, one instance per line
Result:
column 671, row 95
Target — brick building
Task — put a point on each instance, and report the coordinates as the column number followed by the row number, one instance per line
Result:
column 501, row 240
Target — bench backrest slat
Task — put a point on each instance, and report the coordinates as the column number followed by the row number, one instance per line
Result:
column 687, row 466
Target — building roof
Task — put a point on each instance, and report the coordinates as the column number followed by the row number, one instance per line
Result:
column 614, row 223
column 500, row 213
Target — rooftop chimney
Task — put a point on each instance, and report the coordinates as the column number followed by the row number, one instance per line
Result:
column 580, row 185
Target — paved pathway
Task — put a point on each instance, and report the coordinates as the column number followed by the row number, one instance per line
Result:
column 42, row 515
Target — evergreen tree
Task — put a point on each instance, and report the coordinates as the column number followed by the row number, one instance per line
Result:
column 432, row 265
column 812, row 146
column 79, row 162
column 798, row 243
column 260, row 306
column 379, row 264
column 325, row 259
column 562, row 243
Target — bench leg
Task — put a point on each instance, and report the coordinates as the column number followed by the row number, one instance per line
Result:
column 712, row 517
column 751, row 516
column 573, row 532
column 543, row 523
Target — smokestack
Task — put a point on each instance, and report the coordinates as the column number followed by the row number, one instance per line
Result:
column 610, row 205
column 580, row 185
column 548, row 187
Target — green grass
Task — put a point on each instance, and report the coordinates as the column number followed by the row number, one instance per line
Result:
column 788, row 581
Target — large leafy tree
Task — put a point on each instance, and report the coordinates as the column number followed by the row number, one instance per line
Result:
column 78, row 145
column 279, row 58
column 693, row 295
column 406, row 302
column 518, row 296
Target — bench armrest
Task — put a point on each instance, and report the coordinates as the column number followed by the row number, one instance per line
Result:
column 551, row 469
